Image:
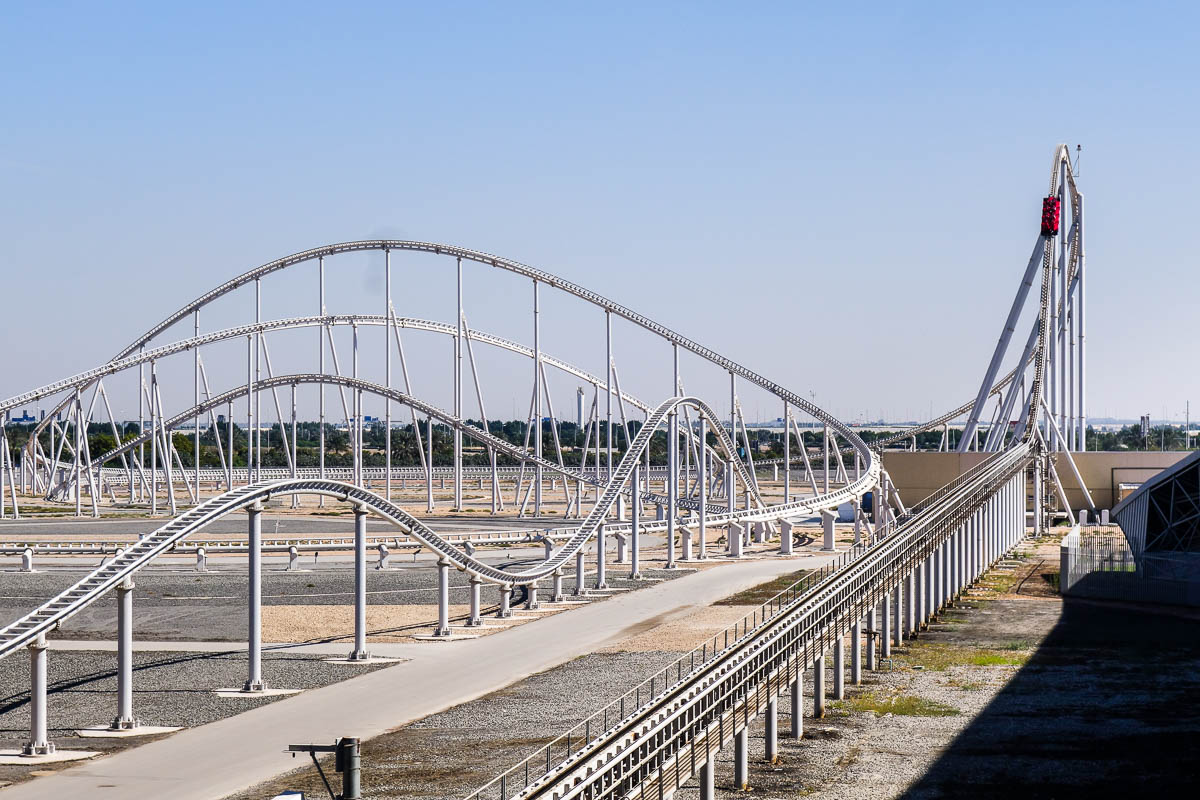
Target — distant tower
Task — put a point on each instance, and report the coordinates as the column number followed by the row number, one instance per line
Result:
column 578, row 406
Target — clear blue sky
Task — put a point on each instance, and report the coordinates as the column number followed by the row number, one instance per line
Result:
column 720, row 167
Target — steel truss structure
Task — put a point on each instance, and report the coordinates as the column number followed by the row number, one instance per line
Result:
column 151, row 471
column 939, row 544
column 890, row 585
column 1063, row 421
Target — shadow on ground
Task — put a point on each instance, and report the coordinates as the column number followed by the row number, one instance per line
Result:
column 1108, row 705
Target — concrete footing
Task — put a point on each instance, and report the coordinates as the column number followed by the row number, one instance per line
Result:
column 126, row 733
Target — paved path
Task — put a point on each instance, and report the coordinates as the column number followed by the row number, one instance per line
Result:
column 215, row 760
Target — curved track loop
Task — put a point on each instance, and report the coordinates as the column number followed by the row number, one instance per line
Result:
column 138, row 555
column 480, row 435
column 146, row 550
column 84, row 379
column 795, row 399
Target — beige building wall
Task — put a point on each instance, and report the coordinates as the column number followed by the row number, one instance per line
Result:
column 917, row 475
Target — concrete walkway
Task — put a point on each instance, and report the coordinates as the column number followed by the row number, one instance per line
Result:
column 215, row 760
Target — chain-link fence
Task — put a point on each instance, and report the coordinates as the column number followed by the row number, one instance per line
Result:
column 1095, row 561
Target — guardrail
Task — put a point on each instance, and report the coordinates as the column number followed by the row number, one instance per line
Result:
column 1098, row 563
column 663, row 740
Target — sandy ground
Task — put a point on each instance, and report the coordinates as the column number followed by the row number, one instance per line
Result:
column 683, row 634
column 391, row 623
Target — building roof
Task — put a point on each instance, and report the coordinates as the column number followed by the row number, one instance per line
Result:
column 1163, row 514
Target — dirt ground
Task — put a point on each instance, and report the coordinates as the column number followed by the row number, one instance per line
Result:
column 388, row 623
column 1014, row 693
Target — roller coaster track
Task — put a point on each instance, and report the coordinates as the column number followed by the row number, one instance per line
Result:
column 140, row 554
column 508, row 265
column 480, row 435
column 84, row 379
column 681, row 723
column 652, row 751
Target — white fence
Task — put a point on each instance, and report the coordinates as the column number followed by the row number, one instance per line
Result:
column 1097, row 562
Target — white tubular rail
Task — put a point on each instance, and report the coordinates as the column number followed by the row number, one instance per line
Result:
column 142, row 552
column 646, row 744
column 472, row 431
column 145, row 357
column 138, row 352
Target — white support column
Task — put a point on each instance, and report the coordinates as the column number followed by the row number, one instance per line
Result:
column 389, row 324
column 839, row 668
column 601, row 583
column 672, row 468
column 124, row 720
column 702, row 488
column 505, row 610
column 942, row 578
column 360, row 653
column 458, row 404
column 1038, row 491
column 39, row 744
column 429, row 463
column 537, row 413
column 708, row 789
column 898, row 625
column 254, row 679
column 635, row 532
column 872, row 637
column 1082, row 365
column 443, row 626
column 787, row 452
column 819, row 687
column 918, row 601
column 608, row 389
column 741, row 759
column 856, row 652
column 930, row 587
column 771, row 730
column 825, row 462
column 580, row 574
column 473, row 621
column 910, row 603
column 798, row 705
column 885, row 626
column 827, row 519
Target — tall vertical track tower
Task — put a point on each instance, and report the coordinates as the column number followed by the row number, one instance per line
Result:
column 1058, row 251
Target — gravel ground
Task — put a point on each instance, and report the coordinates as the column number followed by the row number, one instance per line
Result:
column 170, row 689
column 684, row 634
column 399, row 623
column 1079, row 700
column 1012, row 693
column 187, row 606
column 428, row 758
